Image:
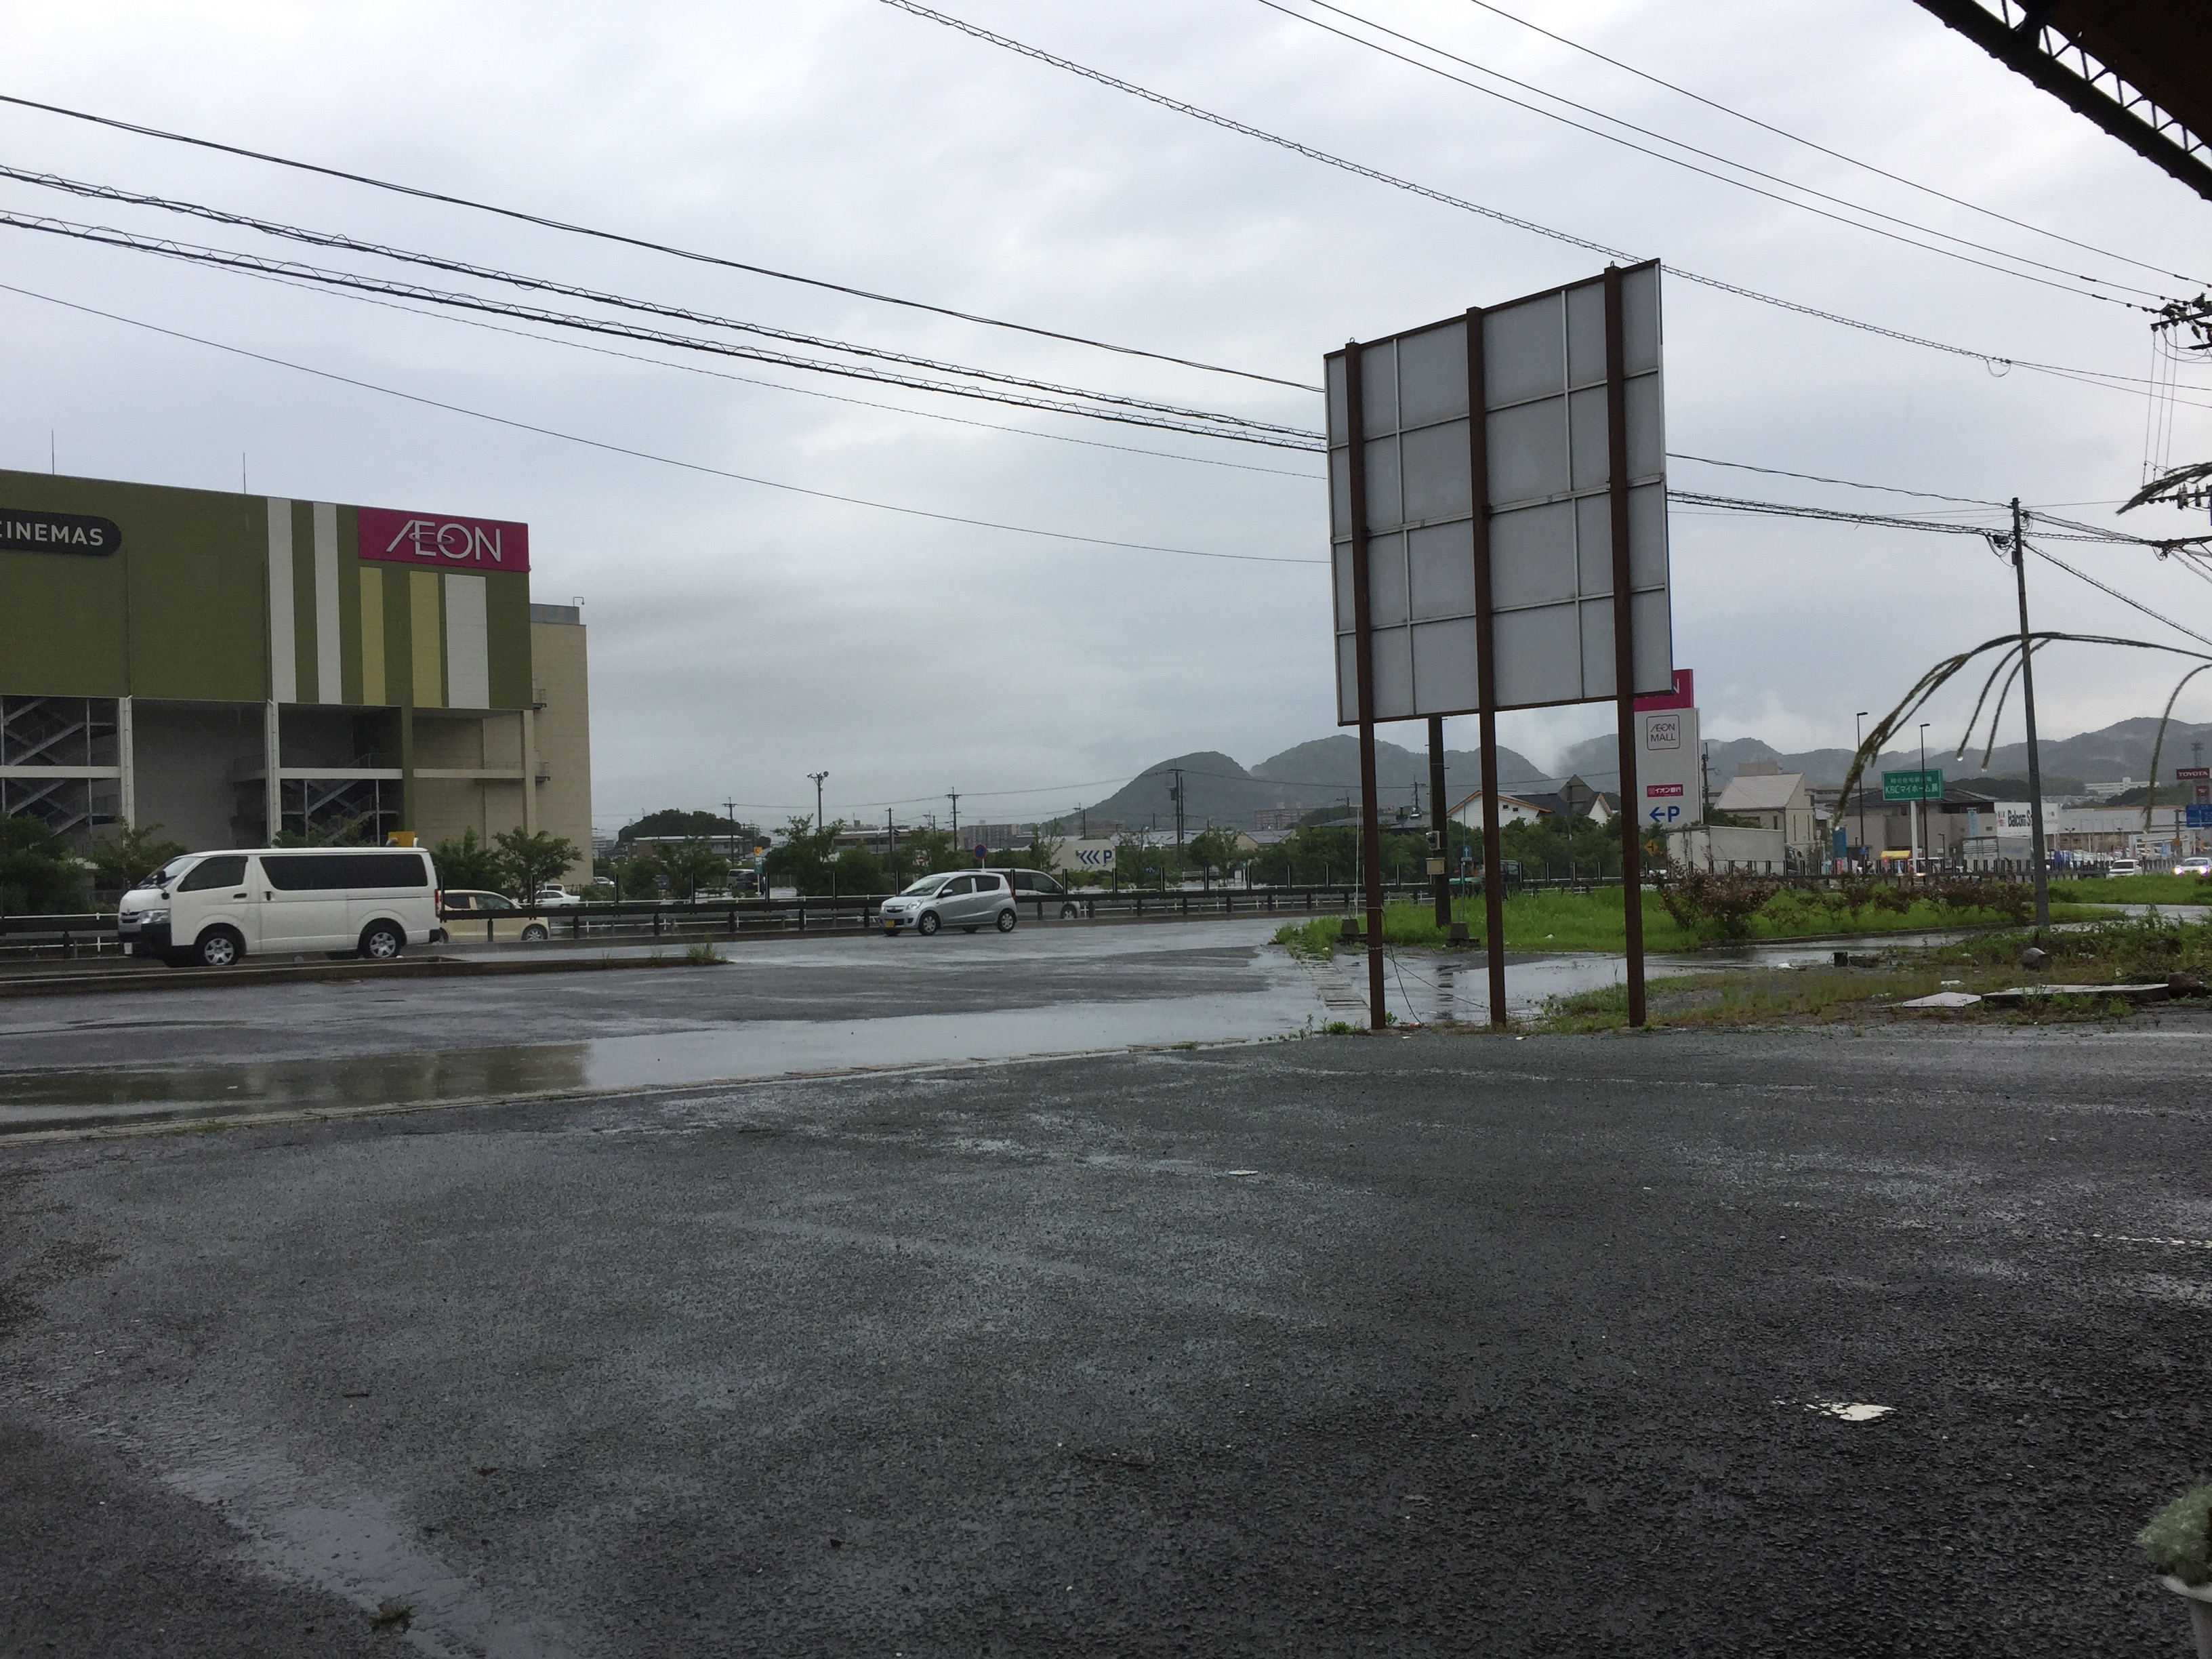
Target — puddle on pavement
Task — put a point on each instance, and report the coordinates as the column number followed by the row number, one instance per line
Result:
column 31, row 1100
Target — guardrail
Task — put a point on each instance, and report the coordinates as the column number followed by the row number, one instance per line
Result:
column 93, row 932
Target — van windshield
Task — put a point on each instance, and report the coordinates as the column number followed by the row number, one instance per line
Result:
column 169, row 871
column 925, row 886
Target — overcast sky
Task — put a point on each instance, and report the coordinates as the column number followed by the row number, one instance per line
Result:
column 743, row 637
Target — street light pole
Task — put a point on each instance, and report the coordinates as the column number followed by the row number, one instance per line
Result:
column 2028, row 701
column 818, row 777
column 1919, row 848
column 1859, row 727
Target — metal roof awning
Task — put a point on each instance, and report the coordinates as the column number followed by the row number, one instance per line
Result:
column 2142, row 70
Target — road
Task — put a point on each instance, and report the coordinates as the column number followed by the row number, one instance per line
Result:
column 1410, row 1345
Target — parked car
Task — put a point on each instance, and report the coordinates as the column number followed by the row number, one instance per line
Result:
column 1032, row 886
column 551, row 895
column 2194, row 867
column 211, row 909
column 500, row 916
column 970, row 900
column 2123, row 868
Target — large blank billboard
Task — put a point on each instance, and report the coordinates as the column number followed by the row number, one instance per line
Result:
column 1548, row 511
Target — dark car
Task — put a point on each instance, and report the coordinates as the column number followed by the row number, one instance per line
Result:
column 1035, row 887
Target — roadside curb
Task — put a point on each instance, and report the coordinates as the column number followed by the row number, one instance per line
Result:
column 115, row 980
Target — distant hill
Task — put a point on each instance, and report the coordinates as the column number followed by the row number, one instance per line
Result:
column 2119, row 751
column 1319, row 773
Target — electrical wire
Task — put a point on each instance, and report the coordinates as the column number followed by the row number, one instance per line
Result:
column 779, row 385
column 645, row 243
column 1994, row 363
column 2106, row 587
column 648, row 455
column 1836, row 155
column 1676, row 161
column 539, row 284
column 1123, row 410
column 1814, row 478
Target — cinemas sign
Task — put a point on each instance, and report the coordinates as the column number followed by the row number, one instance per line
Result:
column 447, row 543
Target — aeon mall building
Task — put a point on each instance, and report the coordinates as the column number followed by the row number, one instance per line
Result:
column 230, row 666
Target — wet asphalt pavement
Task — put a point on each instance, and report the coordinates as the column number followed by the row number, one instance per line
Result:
column 1427, row 1344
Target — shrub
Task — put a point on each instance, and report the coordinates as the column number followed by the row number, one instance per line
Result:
column 1717, row 904
column 2012, row 900
column 2178, row 1539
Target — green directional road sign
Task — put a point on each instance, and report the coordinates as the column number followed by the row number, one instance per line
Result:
column 1913, row 786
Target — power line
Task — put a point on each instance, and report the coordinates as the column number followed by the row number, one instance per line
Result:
column 1360, row 169
column 2106, row 587
column 1123, row 410
column 547, row 285
column 646, row 244
column 774, row 386
column 648, row 455
column 1837, row 155
column 1814, row 478
column 1707, row 173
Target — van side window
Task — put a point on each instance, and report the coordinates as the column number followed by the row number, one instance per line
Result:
column 311, row 872
column 214, row 872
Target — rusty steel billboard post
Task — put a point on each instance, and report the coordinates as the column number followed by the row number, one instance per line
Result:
column 1477, row 563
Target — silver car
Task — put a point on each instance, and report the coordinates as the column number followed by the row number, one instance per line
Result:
column 970, row 900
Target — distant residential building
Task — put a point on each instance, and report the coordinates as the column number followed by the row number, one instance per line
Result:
column 1774, row 799
column 1511, row 809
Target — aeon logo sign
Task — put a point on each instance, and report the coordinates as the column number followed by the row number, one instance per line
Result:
column 449, row 543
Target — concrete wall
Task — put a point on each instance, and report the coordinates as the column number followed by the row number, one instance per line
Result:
column 184, row 753
column 564, row 738
column 1761, row 852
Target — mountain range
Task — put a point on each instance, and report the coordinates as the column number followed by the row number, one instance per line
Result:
column 2121, row 750
column 1326, row 772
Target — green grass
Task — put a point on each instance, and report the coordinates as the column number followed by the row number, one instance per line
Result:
column 2117, row 952
column 2135, row 890
column 1556, row 921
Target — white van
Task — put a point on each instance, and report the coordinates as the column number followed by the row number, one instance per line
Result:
column 209, row 910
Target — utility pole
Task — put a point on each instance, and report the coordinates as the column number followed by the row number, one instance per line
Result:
column 2028, row 701
column 954, row 795
column 1439, row 826
column 890, row 837
column 1174, row 794
column 818, row 777
column 1919, row 851
column 1858, row 742
column 730, row 809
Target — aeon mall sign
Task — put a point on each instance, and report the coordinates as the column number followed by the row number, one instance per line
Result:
column 449, row 543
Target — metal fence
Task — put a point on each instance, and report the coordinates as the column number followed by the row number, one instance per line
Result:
column 94, row 934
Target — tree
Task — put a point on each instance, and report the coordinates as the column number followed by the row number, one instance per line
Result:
column 131, row 854
column 466, row 862
column 925, row 853
column 803, row 861
column 528, row 861
column 691, row 864
column 1213, row 850
column 675, row 821
column 859, row 871
column 40, row 871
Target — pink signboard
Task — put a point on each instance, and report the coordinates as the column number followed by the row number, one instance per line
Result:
column 449, row 543
column 1684, row 695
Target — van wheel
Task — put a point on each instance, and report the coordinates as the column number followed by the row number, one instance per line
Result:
column 927, row 925
column 1006, row 921
column 534, row 933
column 380, row 941
column 219, row 947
